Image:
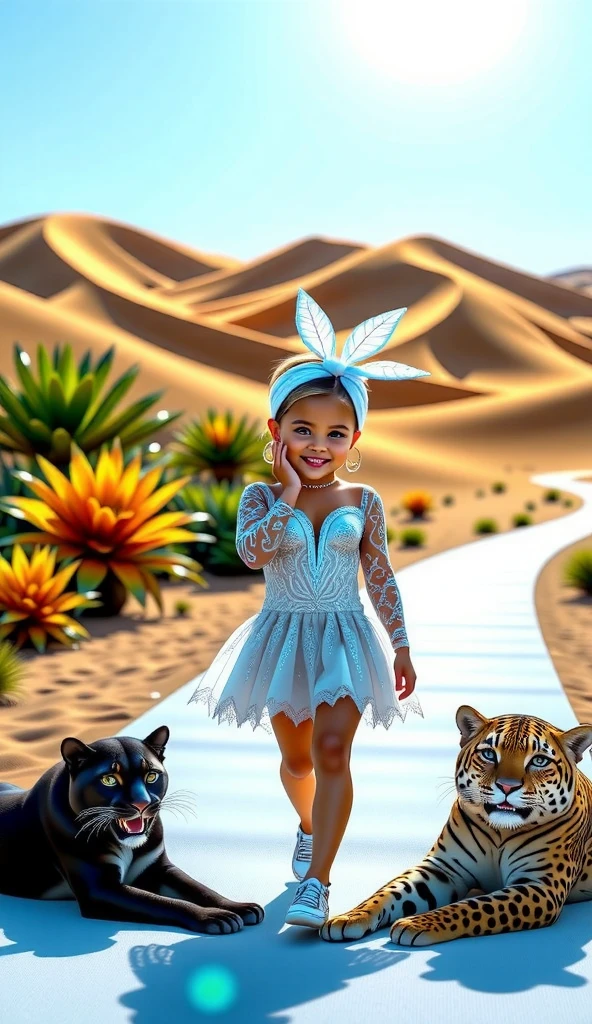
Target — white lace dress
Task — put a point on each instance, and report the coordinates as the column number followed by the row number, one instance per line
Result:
column 312, row 641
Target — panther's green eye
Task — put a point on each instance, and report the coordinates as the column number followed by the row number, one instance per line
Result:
column 540, row 761
column 151, row 777
column 488, row 755
column 108, row 780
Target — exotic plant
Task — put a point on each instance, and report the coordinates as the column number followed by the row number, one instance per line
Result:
column 66, row 403
column 33, row 601
column 417, row 503
column 577, row 571
column 107, row 519
column 220, row 444
column 12, row 672
column 219, row 502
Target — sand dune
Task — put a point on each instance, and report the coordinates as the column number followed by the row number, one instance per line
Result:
column 510, row 354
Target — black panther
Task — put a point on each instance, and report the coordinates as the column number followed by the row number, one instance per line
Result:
column 90, row 830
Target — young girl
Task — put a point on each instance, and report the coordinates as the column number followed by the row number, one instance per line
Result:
column 311, row 660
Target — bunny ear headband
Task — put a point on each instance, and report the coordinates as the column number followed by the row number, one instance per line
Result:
column 369, row 337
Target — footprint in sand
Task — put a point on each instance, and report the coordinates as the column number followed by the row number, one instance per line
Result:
column 64, row 681
column 113, row 716
column 33, row 716
column 124, row 671
column 85, row 696
column 46, row 690
column 83, row 672
column 32, row 735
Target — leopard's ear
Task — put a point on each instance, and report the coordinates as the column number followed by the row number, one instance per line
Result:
column 158, row 740
column 576, row 741
column 470, row 722
column 75, row 752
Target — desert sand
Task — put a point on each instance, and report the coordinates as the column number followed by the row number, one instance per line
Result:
column 510, row 393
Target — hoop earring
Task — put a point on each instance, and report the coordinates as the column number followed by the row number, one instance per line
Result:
column 356, row 465
column 269, row 446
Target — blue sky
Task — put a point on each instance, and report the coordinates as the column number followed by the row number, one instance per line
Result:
column 237, row 126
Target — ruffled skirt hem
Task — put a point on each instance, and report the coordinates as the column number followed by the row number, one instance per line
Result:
column 291, row 662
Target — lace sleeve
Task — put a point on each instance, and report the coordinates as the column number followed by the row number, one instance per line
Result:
column 259, row 530
column 378, row 574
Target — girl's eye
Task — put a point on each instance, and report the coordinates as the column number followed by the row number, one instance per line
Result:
column 337, row 432
column 151, row 777
column 109, row 780
column 488, row 755
column 540, row 761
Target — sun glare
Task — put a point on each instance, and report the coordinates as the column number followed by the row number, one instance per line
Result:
column 434, row 42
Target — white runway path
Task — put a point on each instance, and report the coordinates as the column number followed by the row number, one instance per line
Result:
column 475, row 639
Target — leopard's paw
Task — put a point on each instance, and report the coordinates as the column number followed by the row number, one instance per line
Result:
column 408, row 931
column 354, row 925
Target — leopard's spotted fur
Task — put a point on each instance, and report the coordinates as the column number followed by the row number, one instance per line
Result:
column 519, row 833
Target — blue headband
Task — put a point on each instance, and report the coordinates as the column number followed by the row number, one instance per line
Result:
column 368, row 338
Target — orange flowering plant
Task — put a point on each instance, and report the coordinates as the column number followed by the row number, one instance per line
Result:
column 106, row 518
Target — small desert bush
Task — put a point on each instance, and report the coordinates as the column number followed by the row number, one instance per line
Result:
column 485, row 526
column 182, row 607
column 567, row 502
column 530, row 506
column 522, row 519
column 390, row 535
column 577, row 571
column 448, row 499
column 552, row 495
column 480, row 493
column 11, row 672
column 412, row 537
column 417, row 503
column 498, row 487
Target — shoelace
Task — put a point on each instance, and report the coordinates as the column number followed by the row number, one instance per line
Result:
column 310, row 895
column 304, row 847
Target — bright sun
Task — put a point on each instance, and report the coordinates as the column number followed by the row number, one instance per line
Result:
column 434, row 42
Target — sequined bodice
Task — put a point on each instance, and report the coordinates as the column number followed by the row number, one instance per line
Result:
column 307, row 575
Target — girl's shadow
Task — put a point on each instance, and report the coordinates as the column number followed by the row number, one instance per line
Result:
column 267, row 973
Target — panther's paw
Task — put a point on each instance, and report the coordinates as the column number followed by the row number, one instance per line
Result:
column 251, row 913
column 354, row 925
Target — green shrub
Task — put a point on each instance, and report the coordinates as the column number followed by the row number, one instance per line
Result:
column 577, row 571
column 66, row 403
column 222, row 446
column 530, row 506
column 448, row 499
column 485, row 526
column 412, row 537
column 480, row 493
column 498, row 487
column 182, row 607
column 522, row 519
column 567, row 502
column 552, row 495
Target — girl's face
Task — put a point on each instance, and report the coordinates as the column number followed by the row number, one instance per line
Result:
column 320, row 426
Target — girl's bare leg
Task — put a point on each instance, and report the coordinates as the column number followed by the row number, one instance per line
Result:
column 296, row 769
column 333, row 733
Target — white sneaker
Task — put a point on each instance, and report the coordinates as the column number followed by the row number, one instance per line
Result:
column 302, row 854
column 310, row 907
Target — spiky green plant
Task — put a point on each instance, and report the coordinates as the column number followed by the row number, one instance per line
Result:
column 66, row 402
column 182, row 607
column 219, row 501
column 219, row 443
column 12, row 672
column 11, row 486
column 577, row 572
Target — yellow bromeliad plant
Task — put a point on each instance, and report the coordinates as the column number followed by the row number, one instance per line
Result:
column 106, row 518
column 32, row 599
